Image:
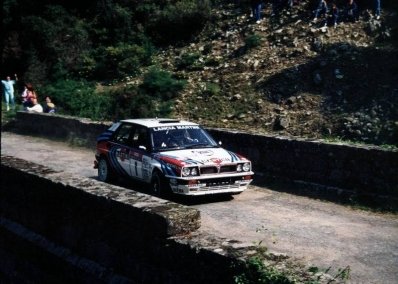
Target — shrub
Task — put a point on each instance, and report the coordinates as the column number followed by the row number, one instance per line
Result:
column 188, row 61
column 121, row 60
column 253, row 40
column 161, row 84
column 131, row 103
column 256, row 272
column 211, row 89
column 78, row 98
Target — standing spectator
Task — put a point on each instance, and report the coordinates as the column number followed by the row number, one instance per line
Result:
column 322, row 9
column 377, row 9
column 291, row 3
column 352, row 11
column 8, row 86
column 36, row 107
column 49, row 106
column 276, row 7
column 334, row 15
column 256, row 10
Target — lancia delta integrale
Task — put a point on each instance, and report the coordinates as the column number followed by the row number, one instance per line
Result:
column 171, row 156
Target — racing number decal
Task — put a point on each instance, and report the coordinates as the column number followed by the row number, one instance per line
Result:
column 136, row 170
column 135, row 160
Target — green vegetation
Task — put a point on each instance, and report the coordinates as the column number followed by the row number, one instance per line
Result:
column 67, row 49
column 253, row 40
column 189, row 61
column 342, row 275
column 256, row 272
column 116, row 58
column 337, row 140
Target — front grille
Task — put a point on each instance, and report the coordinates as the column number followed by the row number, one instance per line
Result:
column 215, row 170
column 208, row 170
column 228, row 169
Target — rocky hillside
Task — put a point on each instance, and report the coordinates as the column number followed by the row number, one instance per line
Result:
column 289, row 76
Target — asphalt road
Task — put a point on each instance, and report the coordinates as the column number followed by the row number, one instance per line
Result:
column 317, row 233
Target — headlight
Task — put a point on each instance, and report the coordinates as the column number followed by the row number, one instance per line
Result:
column 194, row 171
column 246, row 167
column 239, row 168
column 189, row 172
column 186, row 171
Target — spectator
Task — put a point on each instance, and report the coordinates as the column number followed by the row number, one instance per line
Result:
column 8, row 86
column 30, row 96
column 352, row 11
column 36, row 107
column 256, row 10
column 377, row 9
column 291, row 3
column 322, row 9
column 276, row 7
column 334, row 15
column 24, row 95
column 49, row 106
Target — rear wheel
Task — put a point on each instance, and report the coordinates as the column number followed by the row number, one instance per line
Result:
column 104, row 171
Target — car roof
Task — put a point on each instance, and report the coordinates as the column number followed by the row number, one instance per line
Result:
column 158, row 122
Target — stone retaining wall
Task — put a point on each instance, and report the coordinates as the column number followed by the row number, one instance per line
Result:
column 60, row 228
column 364, row 170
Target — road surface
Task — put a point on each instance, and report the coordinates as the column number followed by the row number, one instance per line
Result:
column 317, row 233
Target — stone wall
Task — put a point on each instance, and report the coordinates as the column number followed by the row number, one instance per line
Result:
column 78, row 131
column 364, row 170
column 60, row 228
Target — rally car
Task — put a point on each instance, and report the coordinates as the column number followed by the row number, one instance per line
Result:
column 171, row 156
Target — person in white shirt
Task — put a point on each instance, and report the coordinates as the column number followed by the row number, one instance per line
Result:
column 36, row 107
column 8, row 86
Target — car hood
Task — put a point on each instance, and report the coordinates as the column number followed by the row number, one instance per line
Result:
column 203, row 156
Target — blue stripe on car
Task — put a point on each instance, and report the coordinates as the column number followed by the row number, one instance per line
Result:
column 234, row 157
column 114, row 163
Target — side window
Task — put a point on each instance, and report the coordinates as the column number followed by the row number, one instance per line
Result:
column 141, row 138
column 122, row 135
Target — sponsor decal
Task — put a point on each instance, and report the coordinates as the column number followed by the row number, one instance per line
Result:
column 164, row 128
column 187, row 127
column 216, row 160
column 136, row 156
column 203, row 152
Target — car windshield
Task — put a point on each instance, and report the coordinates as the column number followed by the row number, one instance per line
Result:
column 181, row 137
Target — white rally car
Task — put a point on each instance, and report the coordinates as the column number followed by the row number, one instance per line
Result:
column 172, row 156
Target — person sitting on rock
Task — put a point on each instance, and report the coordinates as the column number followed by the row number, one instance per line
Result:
column 29, row 96
column 322, row 9
column 36, row 106
column 49, row 106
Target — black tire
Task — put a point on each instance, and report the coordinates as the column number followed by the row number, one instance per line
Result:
column 159, row 186
column 104, row 171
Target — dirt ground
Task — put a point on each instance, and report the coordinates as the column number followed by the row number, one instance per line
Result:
column 316, row 233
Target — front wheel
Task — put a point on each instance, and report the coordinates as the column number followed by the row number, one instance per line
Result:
column 104, row 172
column 159, row 186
